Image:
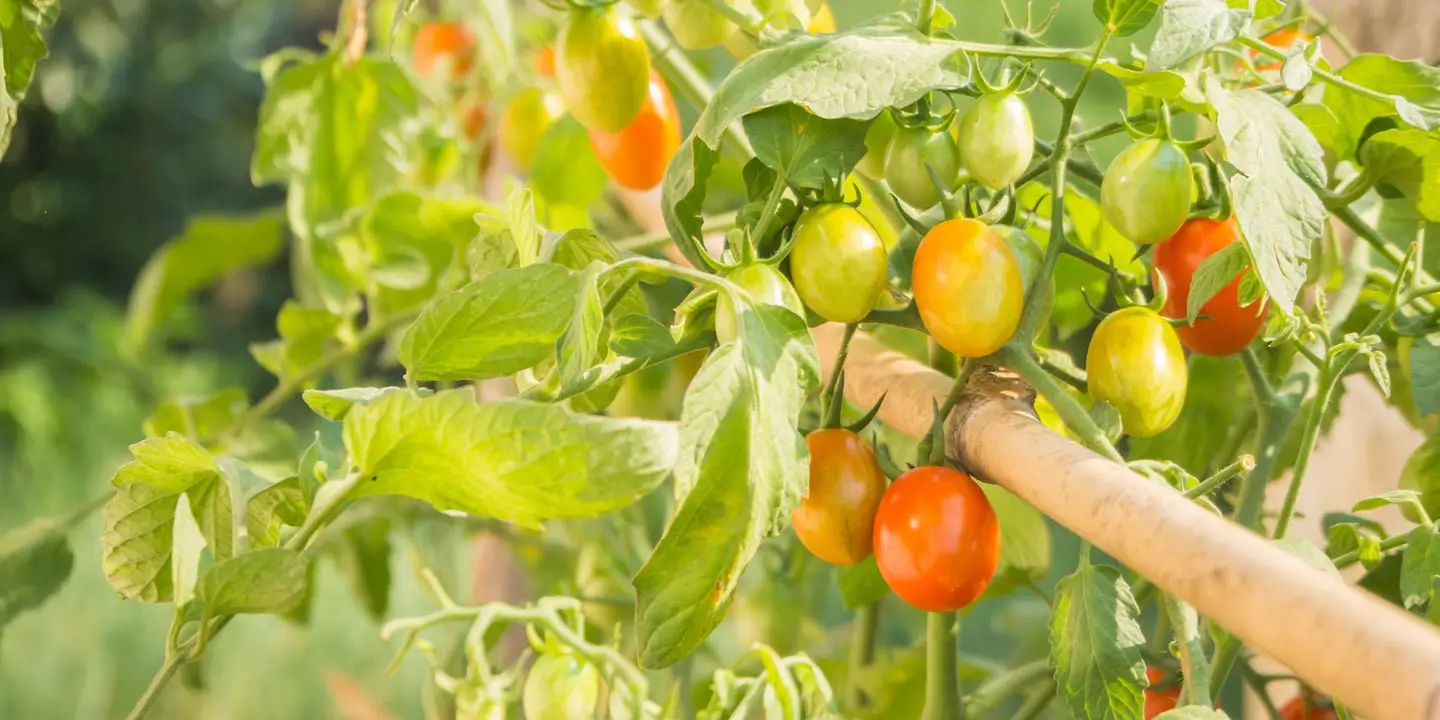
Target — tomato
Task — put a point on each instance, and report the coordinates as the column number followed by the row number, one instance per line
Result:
column 877, row 143
column 1135, row 363
column 1159, row 699
column 1227, row 327
column 835, row 520
column 967, row 287
column 1308, row 706
column 560, row 687
column 997, row 139
column 695, row 26
column 1029, row 256
column 442, row 46
column 910, row 151
column 936, row 539
column 1283, row 40
column 1147, row 190
column 765, row 285
column 822, row 22
column 524, row 121
column 545, row 62
column 603, row 68
column 473, row 120
column 838, row 262
column 636, row 157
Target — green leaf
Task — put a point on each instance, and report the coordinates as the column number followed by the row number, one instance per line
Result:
column 1278, row 163
column 135, row 544
column 1189, row 28
column 1309, row 553
column 1125, row 17
column 334, row 404
column 516, row 461
column 22, row 47
column 806, row 150
column 1025, row 554
column 210, row 247
column 1420, row 565
column 405, row 230
column 214, row 512
column 1213, row 275
column 1262, row 8
column 743, row 467
column 1322, row 123
column 577, row 249
column 524, row 229
column 580, row 345
column 565, row 170
column 267, row 581
column 364, row 554
column 1379, row 370
column 305, row 335
column 1095, row 644
column 853, row 74
column 1413, row 87
column 1390, row 497
column 638, row 336
column 35, row 560
column 1163, row 84
column 491, row 328
column 186, row 549
column 282, row 503
column 1425, row 375
column 861, row 584
column 172, row 463
column 202, row 417
column 492, row 250
column 1407, row 161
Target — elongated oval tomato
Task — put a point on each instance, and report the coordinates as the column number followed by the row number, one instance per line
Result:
column 442, row 47
column 967, row 287
column 838, row 262
column 1135, row 363
column 765, row 285
column 603, row 68
column 1225, row 328
column 836, row 519
column 936, row 539
column 560, row 687
column 636, row 157
column 1308, row 706
column 911, row 149
column 997, row 139
column 1147, row 191
column 530, row 113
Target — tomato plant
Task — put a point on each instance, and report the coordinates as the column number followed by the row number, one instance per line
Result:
column 1227, row 327
column 838, row 262
column 560, row 687
column 636, row 157
column 910, row 152
column 968, row 287
column 836, row 518
column 603, row 68
column 936, row 539
column 1147, row 191
column 997, row 139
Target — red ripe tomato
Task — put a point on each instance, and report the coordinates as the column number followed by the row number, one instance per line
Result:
column 1281, row 40
column 836, row 518
column 545, row 62
column 636, row 157
column 936, row 539
column 443, row 45
column 1308, row 706
column 1227, row 328
column 967, row 287
column 1160, row 695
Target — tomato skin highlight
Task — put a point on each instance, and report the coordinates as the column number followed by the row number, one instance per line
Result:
column 1135, row 363
column 836, row 519
column 560, row 687
column 524, row 121
column 838, row 262
column 997, row 139
column 442, row 45
column 967, row 287
column 1227, row 328
column 1147, row 190
column 910, row 150
column 765, row 285
column 636, row 157
column 937, row 541
column 603, row 68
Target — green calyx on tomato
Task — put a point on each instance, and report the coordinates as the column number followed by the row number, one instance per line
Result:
column 695, row 26
column 1029, row 256
column 835, row 519
column 524, row 121
column 937, row 540
column 838, row 262
column 765, row 285
column 968, row 287
column 636, row 157
column 1225, row 327
column 910, row 151
column 603, row 68
column 560, row 687
column 997, row 139
column 1135, row 363
column 1147, row 191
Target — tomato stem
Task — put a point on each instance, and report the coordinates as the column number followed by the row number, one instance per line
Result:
column 862, row 652
column 942, row 676
column 1067, row 407
column 1193, row 664
column 831, row 398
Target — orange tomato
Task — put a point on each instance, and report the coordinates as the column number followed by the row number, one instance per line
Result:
column 545, row 62
column 836, row 518
column 636, row 156
column 967, row 287
column 1159, row 699
column 441, row 45
column 1308, row 706
column 473, row 121
column 936, row 539
column 1281, row 40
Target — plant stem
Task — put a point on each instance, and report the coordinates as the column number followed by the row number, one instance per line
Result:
column 709, row 225
column 925, row 16
column 1037, row 703
column 772, row 203
column 1313, row 421
column 942, row 672
column 1193, row 664
column 1070, row 411
column 1221, row 477
column 862, row 652
column 327, row 505
column 1391, row 543
column 689, row 82
column 827, row 396
column 152, row 693
column 746, row 21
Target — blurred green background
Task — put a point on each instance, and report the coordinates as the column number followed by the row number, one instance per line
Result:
column 142, row 116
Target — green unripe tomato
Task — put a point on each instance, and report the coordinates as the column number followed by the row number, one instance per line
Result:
column 997, row 139
column 877, row 142
column 524, row 121
column 1030, row 257
column 695, row 26
column 561, row 687
column 1422, row 474
column 1135, row 363
column 910, row 151
column 765, row 285
column 1147, row 191
column 838, row 262
column 603, row 68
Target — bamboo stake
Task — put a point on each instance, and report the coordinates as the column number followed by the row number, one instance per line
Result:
column 1378, row 660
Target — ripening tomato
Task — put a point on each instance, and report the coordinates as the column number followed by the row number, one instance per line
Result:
column 765, row 285
column 636, row 157
column 877, row 143
column 1147, row 191
column 545, row 62
column 838, row 262
column 1135, row 363
column 936, row 539
column 967, row 287
column 822, row 21
column 1226, row 328
column 909, row 152
column 1161, row 695
column 695, row 26
column 524, row 121
column 997, row 139
column 472, row 121
column 603, row 68
column 1308, row 706
column 560, row 687
column 1282, row 40
column 836, row 519
column 442, row 46
column 1029, row 256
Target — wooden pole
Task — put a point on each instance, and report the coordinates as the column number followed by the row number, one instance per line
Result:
column 1378, row 660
